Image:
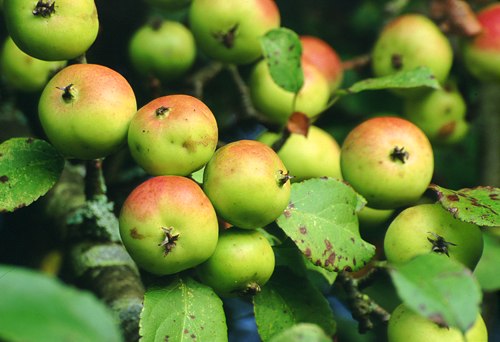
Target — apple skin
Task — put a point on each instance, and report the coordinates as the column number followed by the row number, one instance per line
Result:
column 244, row 182
column 229, row 31
column 66, row 33
column 173, row 135
column 164, row 49
column 407, row 235
column 165, row 202
column 410, row 41
column 440, row 114
column 23, row 72
column 317, row 155
column 276, row 104
column 481, row 53
column 368, row 161
column 93, row 121
column 242, row 263
column 322, row 55
column 407, row 325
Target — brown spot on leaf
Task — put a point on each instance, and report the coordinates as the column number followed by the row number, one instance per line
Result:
column 303, row 230
column 307, row 252
column 331, row 259
column 287, row 213
column 453, row 198
column 328, row 246
column 493, row 197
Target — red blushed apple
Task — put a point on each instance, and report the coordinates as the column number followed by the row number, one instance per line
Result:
column 319, row 53
column 482, row 52
column 229, row 30
column 85, row 111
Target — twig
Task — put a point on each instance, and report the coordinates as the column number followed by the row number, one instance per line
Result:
column 244, row 91
column 202, row 76
column 357, row 63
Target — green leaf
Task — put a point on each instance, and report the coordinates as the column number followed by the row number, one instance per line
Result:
column 440, row 289
column 287, row 300
column 28, row 169
column 486, row 270
column 182, row 310
column 283, row 50
column 39, row 308
column 479, row 205
column 321, row 220
column 302, row 332
column 418, row 77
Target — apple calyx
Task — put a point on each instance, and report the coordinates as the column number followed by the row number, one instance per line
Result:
column 169, row 241
column 227, row 38
column 439, row 244
column 162, row 112
column 397, row 61
column 44, row 9
column 251, row 289
column 399, row 154
column 156, row 24
column 283, row 177
column 68, row 92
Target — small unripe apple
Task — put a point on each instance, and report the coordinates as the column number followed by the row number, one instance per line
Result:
column 23, row 72
column 322, row 55
column 85, row 111
column 388, row 160
column 163, row 48
column 242, row 263
column 439, row 113
column 411, row 41
column 317, row 155
column 481, row 53
column 277, row 104
column 429, row 228
column 173, row 135
column 167, row 224
column 229, row 30
column 247, row 183
column 52, row 30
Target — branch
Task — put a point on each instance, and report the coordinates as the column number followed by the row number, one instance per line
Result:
column 202, row 77
column 455, row 17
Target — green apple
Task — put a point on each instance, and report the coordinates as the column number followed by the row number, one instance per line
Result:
column 322, row 55
column 23, row 72
column 407, row 325
column 410, row 41
column 167, row 224
column 85, row 111
column 428, row 228
column 173, row 135
column 163, row 48
column 388, row 160
column 439, row 113
column 481, row 53
column 276, row 104
column 52, row 30
column 314, row 155
column 247, row 183
column 242, row 263
column 229, row 30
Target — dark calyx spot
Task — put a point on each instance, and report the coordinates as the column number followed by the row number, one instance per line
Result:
column 227, row 38
column 162, row 111
column 44, row 9
column 67, row 94
column 283, row 177
column 397, row 61
column 439, row 244
column 169, row 241
column 156, row 23
column 399, row 154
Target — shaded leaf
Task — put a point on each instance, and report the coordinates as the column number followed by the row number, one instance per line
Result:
column 182, row 310
column 440, row 289
column 479, row 205
column 321, row 220
column 28, row 169
column 282, row 50
column 486, row 270
column 287, row 300
column 302, row 332
column 39, row 308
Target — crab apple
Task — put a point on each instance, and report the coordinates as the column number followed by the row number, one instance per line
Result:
column 23, row 72
column 167, row 224
column 277, row 105
column 173, row 135
column 314, row 155
column 85, row 111
column 247, row 183
column 428, row 228
column 52, row 29
column 481, row 53
column 439, row 113
column 322, row 55
column 409, row 326
column 388, row 160
column 242, row 263
column 408, row 42
column 162, row 48
column 229, row 30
